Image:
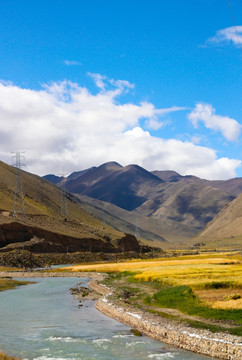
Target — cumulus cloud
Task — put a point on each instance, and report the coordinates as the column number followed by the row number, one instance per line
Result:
column 225, row 36
column 64, row 127
column 205, row 113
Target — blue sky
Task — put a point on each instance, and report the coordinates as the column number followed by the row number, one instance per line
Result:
column 157, row 83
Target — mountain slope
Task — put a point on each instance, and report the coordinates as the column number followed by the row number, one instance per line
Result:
column 187, row 203
column 227, row 225
column 123, row 220
column 77, row 231
column 161, row 230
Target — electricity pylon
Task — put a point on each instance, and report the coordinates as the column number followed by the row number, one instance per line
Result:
column 18, row 204
column 63, row 208
column 136, row 232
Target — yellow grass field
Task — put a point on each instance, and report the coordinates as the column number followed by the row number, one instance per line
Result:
column 197, row 271
column 5, row 357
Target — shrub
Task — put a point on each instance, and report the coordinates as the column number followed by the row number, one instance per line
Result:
column 219, row 285
column 135, row 332
column 233, row 297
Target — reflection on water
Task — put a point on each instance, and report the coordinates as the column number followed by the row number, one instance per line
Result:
column 43, row 321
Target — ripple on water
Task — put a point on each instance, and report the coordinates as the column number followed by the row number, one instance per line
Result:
column 53, row 358
column 101, row 341
column 122, row 336
column 163, row 356
column 67, row 339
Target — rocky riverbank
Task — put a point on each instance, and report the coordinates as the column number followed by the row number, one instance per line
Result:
column 219, row 345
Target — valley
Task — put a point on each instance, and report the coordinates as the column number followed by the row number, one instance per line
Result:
column 118, row 209
column 162, row 206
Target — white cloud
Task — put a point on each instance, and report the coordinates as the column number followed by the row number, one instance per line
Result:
column 99, row 80
column 196, row 139
column 154, row 122
column 103, row 83
column 229, row 35
column 229, row 128
column 137, row 132
column 64, row 128
column 72, row 63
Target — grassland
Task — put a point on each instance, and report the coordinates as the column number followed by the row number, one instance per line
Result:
column 8, row 284
column 204, row 290
column 6, row 357
column 198, row 271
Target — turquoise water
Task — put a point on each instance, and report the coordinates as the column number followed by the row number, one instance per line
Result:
column 43, row 321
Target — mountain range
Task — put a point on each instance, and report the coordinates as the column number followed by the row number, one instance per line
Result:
column 109, row 206
column 164, row 203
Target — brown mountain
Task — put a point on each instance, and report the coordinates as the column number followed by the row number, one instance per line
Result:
column 162, row 202
column 231, row 186
column 44, row 229
column 113, row 183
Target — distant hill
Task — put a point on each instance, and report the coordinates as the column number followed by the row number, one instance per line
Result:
column 231, row 186
column 226, row 227
column 44, row 229
column 166, row 203
column 172, row 176
column 113, row 183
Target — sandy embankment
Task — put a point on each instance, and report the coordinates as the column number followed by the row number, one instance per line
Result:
column 38, row 274
column 219, row 345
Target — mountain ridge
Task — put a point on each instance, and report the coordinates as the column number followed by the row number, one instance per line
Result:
column 178, row 206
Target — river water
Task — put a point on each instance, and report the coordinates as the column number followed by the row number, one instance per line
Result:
column 43, row 321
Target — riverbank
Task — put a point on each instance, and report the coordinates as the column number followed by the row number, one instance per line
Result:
column 41, row 274
column 219, row 345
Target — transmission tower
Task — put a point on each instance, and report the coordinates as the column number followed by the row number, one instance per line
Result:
column 136, row 233
column 63, row 208
column 18, row 204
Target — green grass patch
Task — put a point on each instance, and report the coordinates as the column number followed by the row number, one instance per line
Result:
column 214, row 328
column 183, row 299
column 198, row 324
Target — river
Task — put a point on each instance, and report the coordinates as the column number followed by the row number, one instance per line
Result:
column 43, row 321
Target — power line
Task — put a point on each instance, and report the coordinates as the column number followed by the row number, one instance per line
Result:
column 18, row 204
